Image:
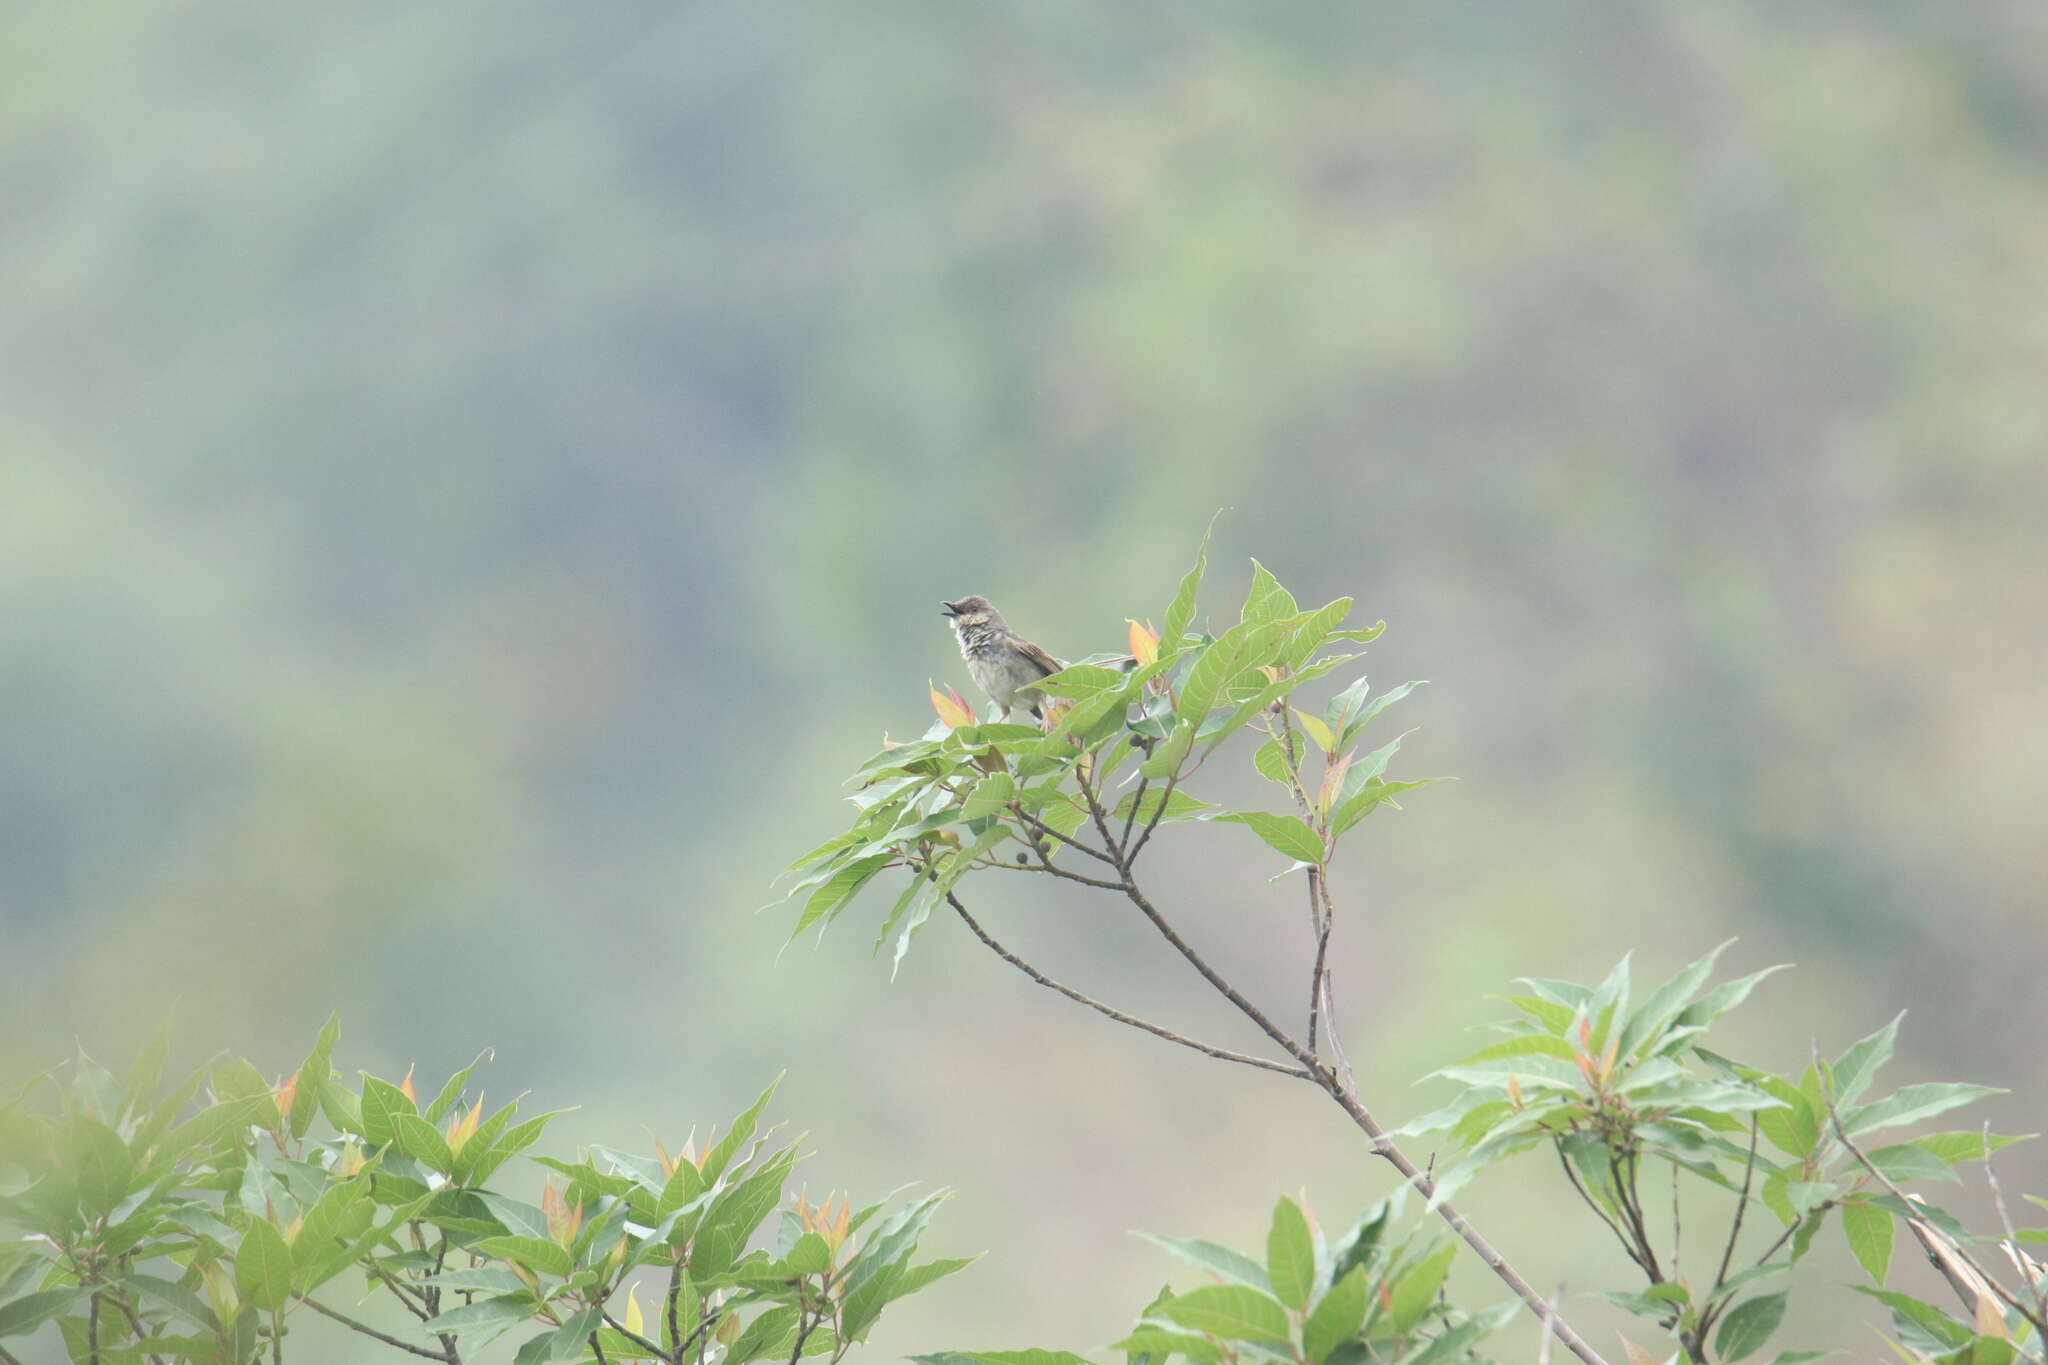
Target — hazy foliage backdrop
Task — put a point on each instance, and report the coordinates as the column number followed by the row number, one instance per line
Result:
column 476, row 476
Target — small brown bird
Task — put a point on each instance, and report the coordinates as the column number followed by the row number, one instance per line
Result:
column 1003, row 663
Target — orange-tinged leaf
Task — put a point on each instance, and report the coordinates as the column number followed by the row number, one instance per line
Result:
column 1990, row 1317
column 1144, row 643
column 1515, row 1091
column 405, row 1087
column 575, row 1224
column 1636, row 1354
column 1585, row 1032
column 463, row 1127
column 839, row 1228
column 286, row 1093
column 952, row 707
column 668, row 1163
column 555, row 1210
column 1333, row 780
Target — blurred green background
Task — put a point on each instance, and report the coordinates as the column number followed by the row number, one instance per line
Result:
column 477, row 475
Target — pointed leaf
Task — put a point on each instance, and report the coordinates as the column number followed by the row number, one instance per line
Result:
column 1234, row 1311
column 1286, row 834
column 1337, row 1316
column 1290, row 1254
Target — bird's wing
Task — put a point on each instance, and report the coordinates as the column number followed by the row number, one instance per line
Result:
column 1044, row 662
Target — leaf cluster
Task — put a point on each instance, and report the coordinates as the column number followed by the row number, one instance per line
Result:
column 1609, row 1084
column 195, row 1223
column 1124, row 735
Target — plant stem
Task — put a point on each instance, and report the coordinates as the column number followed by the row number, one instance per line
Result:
column 371, row 1332
column 1222, row 1054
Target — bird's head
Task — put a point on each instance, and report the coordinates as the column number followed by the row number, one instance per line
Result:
column 971, row 611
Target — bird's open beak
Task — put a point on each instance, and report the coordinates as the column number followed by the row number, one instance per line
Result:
column 948, row 609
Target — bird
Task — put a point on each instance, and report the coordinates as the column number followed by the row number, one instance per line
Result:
column 1003, row 663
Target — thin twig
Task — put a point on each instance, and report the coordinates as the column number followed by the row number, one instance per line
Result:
column 1215, row 979
column 1095, row 813
column 1592, row 1203
column 2021, row 1261
column 1949, row 1248
column 1741, row 1206
column 675, row 1287
column 134, row 1322
column 1222, row 1054
column 1384, row 1147
column 1137, row 804
column 1017, row 809
column 642, row 1342
column 1677, row 1227
column 367, row 1330
column 597, row 1349
column 1152, row 821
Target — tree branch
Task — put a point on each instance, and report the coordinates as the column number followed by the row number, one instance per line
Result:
column 1221, row 1054
column 367, row 1330
column 1017, row 809
column 642, row 1342
column 1741, row 1206
column 1951, row 1257
column 1215, row 980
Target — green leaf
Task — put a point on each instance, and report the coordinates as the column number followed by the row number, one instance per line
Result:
column 1857, row 1067
column 1868, row 1229
column 916, row 1277
column 1337, row 1316
column 1748, row 1326
column 1955, row 1147
column 1271, row 761
column 1418, row 1285
column 1182, row 612
column 991, row 795
column 1220, row 1260
column 839, row 888
column 1290, row 1254
column 263, row 1266
column 452, row 1091
column 1219, row 667
column 1666, row 1003
column 535, row 1253
column 485, row 1316
column 1267, row 600
column 31, row 1311
column 1905, row 1162
column 1179, row 806
column 102, row 1166
column 772, row 1331
column 1350, row 728
column 423, row 1142
column 383, row 1102
column 1168, row 754
column 1289, row 835
column 1234, row 1311
column 1525, row 1045
column 313, row 1074
column 567, row 1342
column 1911, row 1103
column 1032, row 1357
column 1158, row 1343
